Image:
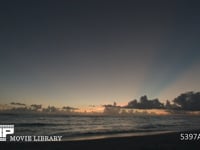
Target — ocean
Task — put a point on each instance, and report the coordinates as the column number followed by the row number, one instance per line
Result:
column 94, row 127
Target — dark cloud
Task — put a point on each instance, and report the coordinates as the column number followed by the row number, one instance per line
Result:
column 36, row 107
column 145, row 103
column 18, row 104
column 188, row 101
column 68, row 108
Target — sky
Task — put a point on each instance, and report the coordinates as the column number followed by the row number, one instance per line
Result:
column 82, row 53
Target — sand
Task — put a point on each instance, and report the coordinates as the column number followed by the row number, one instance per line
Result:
column 166, row 141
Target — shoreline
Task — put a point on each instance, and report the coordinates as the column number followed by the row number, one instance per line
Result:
column 164, row 141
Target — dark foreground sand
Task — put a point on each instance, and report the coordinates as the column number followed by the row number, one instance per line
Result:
column 167, row 141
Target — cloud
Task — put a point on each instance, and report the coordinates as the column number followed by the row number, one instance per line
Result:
column 188, row 101
column 19, row 104
column 144, row 103
column 69, row 108
column 36, row 107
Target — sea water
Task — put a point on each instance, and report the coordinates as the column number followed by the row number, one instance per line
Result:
column 92, row 127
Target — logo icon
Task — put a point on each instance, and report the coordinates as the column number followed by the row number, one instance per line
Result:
column 5, row 130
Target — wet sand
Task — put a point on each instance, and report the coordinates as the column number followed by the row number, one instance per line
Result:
column 165, row 141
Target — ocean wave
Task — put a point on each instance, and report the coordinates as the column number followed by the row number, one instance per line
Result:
column 99, row 133
column 34, row 124
column 154, row 126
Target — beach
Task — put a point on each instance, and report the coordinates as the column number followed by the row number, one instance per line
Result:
column 163, row 141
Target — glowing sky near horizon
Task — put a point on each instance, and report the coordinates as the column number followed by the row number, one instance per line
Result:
column 93, row 53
